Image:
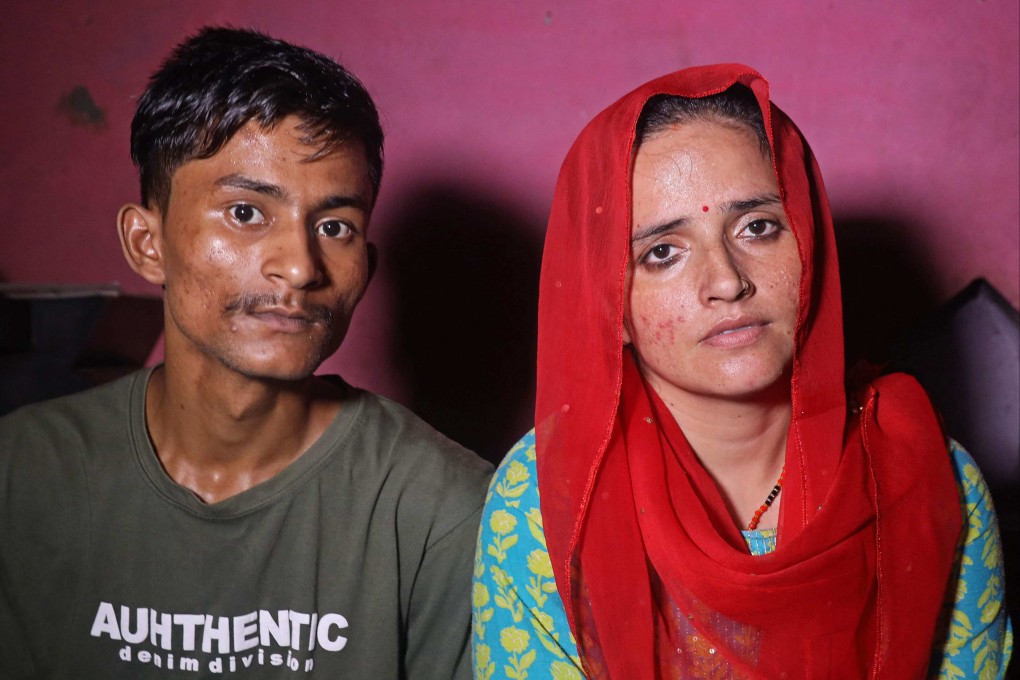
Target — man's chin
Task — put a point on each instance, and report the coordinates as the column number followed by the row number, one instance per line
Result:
column 278, row 361
column 270, row 370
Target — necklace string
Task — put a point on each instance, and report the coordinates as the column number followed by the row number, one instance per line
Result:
column 753, row 524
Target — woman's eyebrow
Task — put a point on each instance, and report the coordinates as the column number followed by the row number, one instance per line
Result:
column 743, row 205
column 656, row 229
column 750, row 203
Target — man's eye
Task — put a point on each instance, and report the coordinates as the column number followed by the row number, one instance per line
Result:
column 334, row 229
column 247, row 214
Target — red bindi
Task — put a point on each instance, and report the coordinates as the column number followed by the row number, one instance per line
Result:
column 704, row 208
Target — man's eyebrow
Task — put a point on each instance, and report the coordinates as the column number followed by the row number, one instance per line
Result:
column 750, row 203
column 656, row 229
column 241, row 182
column 277, row 192
column 339, row 201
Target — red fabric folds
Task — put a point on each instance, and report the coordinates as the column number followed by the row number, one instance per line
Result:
column 654, row 583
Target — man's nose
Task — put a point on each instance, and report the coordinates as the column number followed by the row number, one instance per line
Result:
column 292, row 256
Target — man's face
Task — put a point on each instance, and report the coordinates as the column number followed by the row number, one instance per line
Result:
column 264, row 253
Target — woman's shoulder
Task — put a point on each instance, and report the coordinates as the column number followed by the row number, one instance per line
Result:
column 514, row 487
column 523, row 452
column 978, row 634
column 975, row 497
column 973, row 488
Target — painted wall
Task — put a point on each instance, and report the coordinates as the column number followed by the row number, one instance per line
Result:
column 911, row 107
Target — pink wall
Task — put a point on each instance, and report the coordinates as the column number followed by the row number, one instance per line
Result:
column 911, row 107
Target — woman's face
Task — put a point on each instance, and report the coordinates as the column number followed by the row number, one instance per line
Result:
column 714, row 269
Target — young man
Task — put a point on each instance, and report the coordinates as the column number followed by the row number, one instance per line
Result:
column 228, row 512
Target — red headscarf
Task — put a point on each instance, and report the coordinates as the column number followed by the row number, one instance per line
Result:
column 655, row 578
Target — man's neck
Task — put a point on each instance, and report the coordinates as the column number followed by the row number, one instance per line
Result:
column 219, row 433
column 741, row 444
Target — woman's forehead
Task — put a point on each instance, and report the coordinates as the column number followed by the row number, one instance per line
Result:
column 699, row 157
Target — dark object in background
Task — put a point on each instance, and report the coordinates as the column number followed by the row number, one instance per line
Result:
column 967, row 356
column 56, row 340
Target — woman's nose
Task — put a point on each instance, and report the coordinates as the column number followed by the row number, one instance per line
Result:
column 722, row 278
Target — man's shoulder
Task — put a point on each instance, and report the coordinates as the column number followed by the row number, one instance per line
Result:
column 52, row 451
column 405, row 438
column 436, row 476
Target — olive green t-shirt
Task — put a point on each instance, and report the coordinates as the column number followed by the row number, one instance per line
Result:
column 353, row 562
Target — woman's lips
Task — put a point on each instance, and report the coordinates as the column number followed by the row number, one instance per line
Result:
column 734, row 333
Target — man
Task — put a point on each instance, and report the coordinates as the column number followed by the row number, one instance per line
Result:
column 228, row 512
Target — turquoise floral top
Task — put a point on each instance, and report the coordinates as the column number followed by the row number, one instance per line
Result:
column 520, row 627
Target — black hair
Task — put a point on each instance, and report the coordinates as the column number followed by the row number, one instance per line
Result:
column 218, row 80
column 734, row 106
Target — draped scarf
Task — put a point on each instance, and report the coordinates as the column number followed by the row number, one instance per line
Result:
column 654, row 584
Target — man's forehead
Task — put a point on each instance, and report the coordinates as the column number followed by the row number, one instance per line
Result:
column 257, row 146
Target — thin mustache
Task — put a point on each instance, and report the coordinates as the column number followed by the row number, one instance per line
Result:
column 250, row 303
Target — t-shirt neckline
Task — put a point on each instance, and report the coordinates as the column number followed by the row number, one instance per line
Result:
column 251, row 500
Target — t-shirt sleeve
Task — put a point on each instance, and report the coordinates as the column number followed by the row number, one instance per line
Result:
column 519, row 625
column 438, row 607
column 43, row 535
column 440, row 618
column 977, row 636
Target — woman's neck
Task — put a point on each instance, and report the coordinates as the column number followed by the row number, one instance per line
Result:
column 740, row 443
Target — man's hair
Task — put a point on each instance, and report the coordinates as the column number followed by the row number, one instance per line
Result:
column 220, row 79
column 735, row 106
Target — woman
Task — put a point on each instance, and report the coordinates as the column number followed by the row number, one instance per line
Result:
column 710, row 502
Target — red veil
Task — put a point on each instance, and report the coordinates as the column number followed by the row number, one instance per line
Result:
column 656, row 580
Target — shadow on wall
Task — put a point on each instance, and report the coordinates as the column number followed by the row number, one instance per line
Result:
column 887, row 285
column 465, row 271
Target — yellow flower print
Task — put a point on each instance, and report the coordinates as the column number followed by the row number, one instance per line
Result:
column 484, row 667
column 544, row 619
column 561, row 670
column 516, row 473
column 502, row 522
column 513, row 482
column 539, row 563
column 500, row 577
column 479, row 595
column 514, row 640
column 535, row 516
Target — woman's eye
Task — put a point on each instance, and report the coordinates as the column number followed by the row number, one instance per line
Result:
column 247, row 214
column 761, row 228
column 334, row 229
column 660, row 253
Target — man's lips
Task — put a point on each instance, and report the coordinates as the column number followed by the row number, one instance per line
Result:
column 288, row 320
column 735, row 332
column 296, row 314
column 272, row 310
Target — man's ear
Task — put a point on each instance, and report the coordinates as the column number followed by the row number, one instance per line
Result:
column 141, row 231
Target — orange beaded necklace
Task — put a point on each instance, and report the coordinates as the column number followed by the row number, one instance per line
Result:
column 753, row 524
